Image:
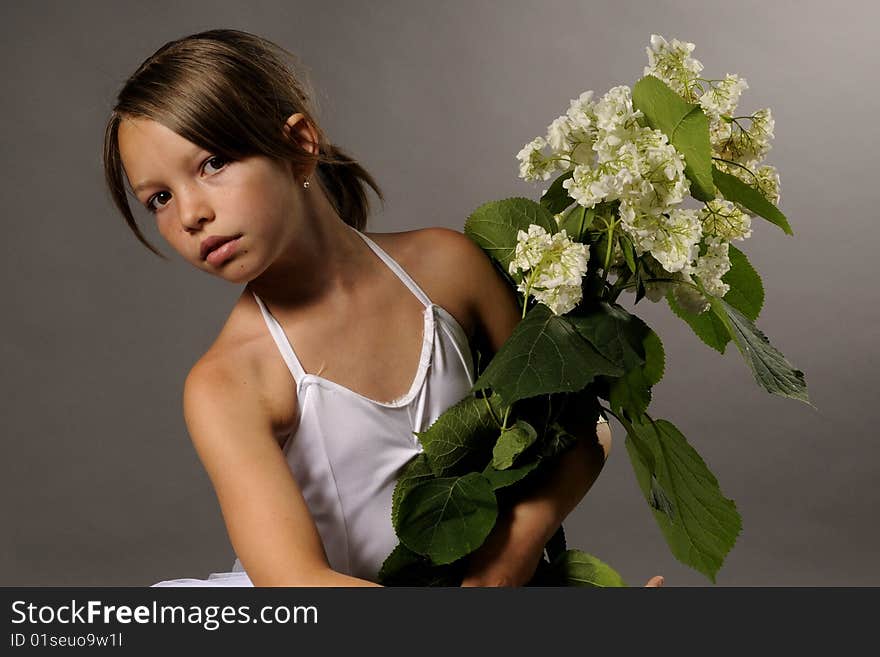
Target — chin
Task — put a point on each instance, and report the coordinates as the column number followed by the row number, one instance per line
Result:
column 234, row 271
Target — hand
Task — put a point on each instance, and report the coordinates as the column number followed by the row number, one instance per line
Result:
column 655, row 581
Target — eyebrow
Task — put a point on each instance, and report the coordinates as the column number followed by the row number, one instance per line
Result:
column 143, row 185
column 151, row 183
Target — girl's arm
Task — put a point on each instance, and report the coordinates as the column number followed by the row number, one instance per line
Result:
column 513, row 549
column 266, row 516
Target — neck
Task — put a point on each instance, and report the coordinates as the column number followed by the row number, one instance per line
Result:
column 324, row 262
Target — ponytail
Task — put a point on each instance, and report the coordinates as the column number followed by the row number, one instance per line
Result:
column 345, row 182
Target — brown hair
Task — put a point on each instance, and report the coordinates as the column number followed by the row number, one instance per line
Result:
column 230, row 92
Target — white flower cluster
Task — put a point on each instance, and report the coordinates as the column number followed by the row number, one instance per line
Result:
column 552, row 267
column 723, row 97
column 672, row 63
column 725, row 220
column 613, row 157
column 746, row 147
column 673, row 239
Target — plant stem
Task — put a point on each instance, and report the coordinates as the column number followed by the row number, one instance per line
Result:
column 504, row 422
column 491, row 410
column 741, row 166
column 610, row 231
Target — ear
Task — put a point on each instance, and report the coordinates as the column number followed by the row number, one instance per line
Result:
column 298, row 127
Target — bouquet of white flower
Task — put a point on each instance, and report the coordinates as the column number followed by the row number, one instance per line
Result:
column 611, row 221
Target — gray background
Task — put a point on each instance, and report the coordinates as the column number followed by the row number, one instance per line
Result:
column 100, row 484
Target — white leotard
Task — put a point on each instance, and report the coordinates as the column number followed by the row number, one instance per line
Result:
column 348, row 450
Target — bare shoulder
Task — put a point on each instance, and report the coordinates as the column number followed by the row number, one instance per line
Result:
column 456, row 265
column 219, row 378
column 437, row 259
column 243, row 358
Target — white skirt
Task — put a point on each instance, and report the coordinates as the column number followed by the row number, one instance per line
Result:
column 236, row 577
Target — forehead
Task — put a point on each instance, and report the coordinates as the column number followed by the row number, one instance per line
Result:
column 147, row 148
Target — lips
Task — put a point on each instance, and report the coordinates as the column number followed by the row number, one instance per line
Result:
column 213, row 242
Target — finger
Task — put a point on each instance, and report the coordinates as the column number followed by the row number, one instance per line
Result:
column 656, row 581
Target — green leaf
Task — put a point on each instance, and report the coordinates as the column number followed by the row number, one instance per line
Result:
column 462, row 435
column 415, row 471
column 503, row 478
column 772, row 371
column 686, row 127
column 494, row 225
column 699, row 524
column 746, row 292
column 544, row 354
column 556, row 199
column 447, row 518
column 577, row 568
column 751, row 198
column 632, row 391
column 576, row 223
column 614, row 332
column 512, row 442
column 627, row 341
column 706, row 325
column 628, row 249
column 655, row 357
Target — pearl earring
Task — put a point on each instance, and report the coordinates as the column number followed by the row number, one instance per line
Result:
column 306, row 183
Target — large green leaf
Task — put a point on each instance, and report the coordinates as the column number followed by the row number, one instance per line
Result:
column 772, row 371
column 544, row 354
column 556, row 198
column 463, row 435
column 686, row 127
column 447, row 518
column 738, row 191
column 494, row 225
column 699, row 523
column 577, row 568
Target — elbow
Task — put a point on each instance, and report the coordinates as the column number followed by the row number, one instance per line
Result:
column 312, row 578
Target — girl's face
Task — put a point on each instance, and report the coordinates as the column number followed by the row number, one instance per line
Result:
column 194, row 195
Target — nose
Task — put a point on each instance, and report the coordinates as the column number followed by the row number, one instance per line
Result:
column 193, row 208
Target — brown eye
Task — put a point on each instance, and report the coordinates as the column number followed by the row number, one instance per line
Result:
column 150, row 205
column 216, row 163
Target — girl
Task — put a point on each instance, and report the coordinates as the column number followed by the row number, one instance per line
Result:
column 215, row 136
